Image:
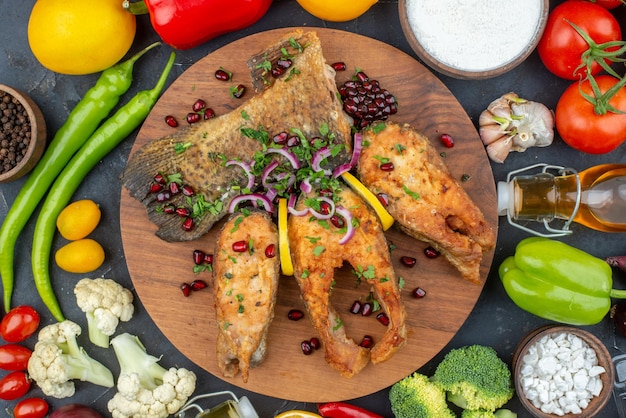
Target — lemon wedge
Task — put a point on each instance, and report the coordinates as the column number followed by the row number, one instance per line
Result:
column 385, row 218
column 283, row 241
column 337, row 10
column 298, row 414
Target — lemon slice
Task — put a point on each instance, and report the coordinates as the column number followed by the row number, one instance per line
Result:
column 298, row 414
column 283, row 243
column 336, row 10
column 385, row 218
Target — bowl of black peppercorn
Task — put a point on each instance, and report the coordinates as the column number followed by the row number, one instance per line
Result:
column 22, row 134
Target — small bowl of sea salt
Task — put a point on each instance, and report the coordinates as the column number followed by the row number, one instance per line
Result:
column 473, row 39
column 562, row 371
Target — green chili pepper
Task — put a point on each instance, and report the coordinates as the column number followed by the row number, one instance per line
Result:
column 558, row 282
column 104, row 139
column 80, row 124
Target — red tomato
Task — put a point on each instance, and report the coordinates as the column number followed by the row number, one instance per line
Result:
column 19, row 323
column 560, row 47
column 608, row 4
column 14, row 385
column 30, row 408
column 14, row 357
column 581, row 127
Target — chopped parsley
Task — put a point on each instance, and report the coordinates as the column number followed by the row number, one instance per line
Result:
column 411, row 193
column 181, row 147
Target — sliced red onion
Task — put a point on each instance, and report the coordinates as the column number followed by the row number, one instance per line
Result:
column 305, row 185
column 347, row 216
column 266, row 173
column 319, row 156
column 290, row 156
column 356, row 154
column 290, row 182
column 246, row 168
column 271, row 193
column 291, row 206
column 252, row 197
column 330, row 213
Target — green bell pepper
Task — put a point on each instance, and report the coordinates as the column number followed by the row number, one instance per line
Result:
column 558, row 282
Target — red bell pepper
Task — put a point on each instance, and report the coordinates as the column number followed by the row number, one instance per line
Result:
column 344, row 410
column 185, row 24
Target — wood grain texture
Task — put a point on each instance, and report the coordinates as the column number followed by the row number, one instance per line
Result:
column 158, row 268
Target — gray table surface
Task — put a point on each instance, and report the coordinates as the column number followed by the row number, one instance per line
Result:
column 495, row 320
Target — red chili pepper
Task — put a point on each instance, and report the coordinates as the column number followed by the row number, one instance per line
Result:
column 344, row 410
column 185, row 24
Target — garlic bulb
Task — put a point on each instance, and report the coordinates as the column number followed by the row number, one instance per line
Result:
column 511, row 123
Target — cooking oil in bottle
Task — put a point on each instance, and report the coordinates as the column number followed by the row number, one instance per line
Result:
column 595, row 197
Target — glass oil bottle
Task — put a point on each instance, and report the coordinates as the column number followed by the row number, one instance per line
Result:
column 595, row 198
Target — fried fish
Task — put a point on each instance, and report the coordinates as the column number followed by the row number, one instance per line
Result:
column 303, row 100
column 316, row 252
column 246, row 271
column 426, row 202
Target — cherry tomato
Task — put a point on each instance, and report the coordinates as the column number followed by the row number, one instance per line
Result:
column 560, row 47
column 581, row 127
column 608, row 4
column 19, row 323
column 14, row 385
column 30, row 408
column 14, row 357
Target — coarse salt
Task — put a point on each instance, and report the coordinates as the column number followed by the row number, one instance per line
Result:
column 474, row 35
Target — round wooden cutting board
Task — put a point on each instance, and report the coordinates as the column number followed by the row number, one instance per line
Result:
column 158, row 268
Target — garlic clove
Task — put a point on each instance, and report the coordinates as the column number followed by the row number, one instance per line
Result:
column 500, row 149
column 491, row 133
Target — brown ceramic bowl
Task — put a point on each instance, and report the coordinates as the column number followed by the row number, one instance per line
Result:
column 434, row 33
column 597, row 403
column 37, row 136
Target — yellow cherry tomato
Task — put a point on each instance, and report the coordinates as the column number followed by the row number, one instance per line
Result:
column 80, row 256
column 78, row 219
column 298, row 414
column 79, row 36
column 337, row 10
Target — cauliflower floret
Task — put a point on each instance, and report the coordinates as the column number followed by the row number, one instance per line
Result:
column 105, row 302
column 57, row 359
column 144, row 388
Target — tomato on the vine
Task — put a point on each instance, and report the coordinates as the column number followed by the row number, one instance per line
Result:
column 31, row 408
column 14, row 357
column 14, row 385
column 561, row 46
column 582, row 126
column 19, row 323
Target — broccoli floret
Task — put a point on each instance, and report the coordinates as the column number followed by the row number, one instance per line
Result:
column 416, row 396
column 481, row 413
column 475, row 378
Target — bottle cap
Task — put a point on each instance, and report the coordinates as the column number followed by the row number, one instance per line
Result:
column 505, row 198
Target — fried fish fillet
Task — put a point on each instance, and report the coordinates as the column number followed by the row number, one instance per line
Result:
column 316, row 253
column 305, row 100
column 424, row 199
column 244, row 289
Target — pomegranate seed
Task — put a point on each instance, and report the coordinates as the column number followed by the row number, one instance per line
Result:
column 183, row 212
column 163, row 196
column 198, row 256
column 198, row 105
column 208, row 258
column 447, row 140
column 383, row 318
column 186, row 288
column 315, row 343
column 160, row 178
column 367, row 342
column 325, row 208
column 361, row 76
column 339, row 66
column 169, row 209
column 277, row 71
column 188, row 224
column 188, row 190
column 418, row 293
column 192, row 118
column 223, row 75
column 198, row 284
column 293, row 141
column 280, row 138
column 387, row 166
column 367, row 310
column 408, row 261
column 337, row 221
column 171, row 121
column 295, row 314
column 270, row 251
column 284, row 63
column 209, row 113
column 383, row 198
column 326, row 192
column 237, row 91
column 306, row 347
column 156, row 187
column 240, row 246
column 356, row 307
column 430, row 252
column 174, row 188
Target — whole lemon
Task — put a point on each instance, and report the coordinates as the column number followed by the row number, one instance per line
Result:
column 81, row 256
column 78, row 36
column 337, row 10
column 78, row 219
